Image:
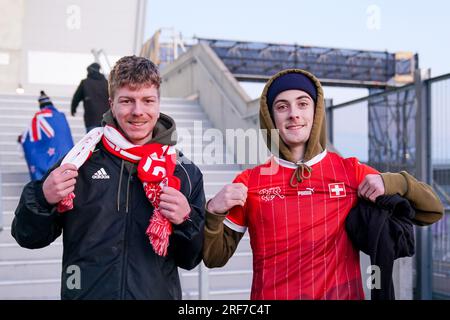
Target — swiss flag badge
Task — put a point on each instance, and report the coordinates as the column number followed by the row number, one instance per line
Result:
column 337, row 190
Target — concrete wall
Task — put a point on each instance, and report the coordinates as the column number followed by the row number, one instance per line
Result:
column 402, row 277
column 200, row 73
column 50, row 41
column 11, row 30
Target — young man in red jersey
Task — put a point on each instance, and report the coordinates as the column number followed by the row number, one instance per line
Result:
column 295, row 205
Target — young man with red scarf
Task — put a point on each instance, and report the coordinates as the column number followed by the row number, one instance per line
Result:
column 130, row 206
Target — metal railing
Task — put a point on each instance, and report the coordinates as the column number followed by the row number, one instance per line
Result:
column 439, row 91
column 1, row 203
column 406, row 128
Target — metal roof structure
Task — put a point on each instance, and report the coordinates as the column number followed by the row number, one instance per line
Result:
column 257, row 61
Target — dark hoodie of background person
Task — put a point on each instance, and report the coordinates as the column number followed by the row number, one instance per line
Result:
column 93, row 91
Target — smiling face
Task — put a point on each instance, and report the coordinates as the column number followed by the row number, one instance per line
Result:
column 293, row 114
column 136, row 112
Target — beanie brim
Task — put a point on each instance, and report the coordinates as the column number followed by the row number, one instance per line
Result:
column 44, row 100
column 291, row 81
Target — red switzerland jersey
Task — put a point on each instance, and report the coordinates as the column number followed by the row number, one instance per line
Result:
column 300, row 247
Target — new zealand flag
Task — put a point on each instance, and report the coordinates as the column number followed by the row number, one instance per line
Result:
column 46, row 141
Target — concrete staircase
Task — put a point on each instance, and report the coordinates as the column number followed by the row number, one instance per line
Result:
column 35, row 274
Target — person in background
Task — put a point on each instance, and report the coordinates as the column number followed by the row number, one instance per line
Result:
column 93, row 91
column 47, row 139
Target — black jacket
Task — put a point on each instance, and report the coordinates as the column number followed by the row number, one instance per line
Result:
column 104, row 235
column 385, row 232
column 93, row 91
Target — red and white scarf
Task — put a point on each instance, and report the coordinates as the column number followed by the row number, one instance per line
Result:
column 156, row 165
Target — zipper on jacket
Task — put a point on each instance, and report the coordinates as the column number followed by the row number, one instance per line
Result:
column 125, row 252
column 188, row 178
column 120, row 185
column 130, row 178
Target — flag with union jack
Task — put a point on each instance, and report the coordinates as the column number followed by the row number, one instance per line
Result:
column 46, row 141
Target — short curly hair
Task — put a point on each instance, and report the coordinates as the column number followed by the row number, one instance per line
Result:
column 134, row 72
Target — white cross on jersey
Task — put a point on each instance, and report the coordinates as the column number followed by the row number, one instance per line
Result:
column 337, row 190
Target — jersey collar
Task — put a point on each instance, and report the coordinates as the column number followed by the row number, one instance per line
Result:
column 313, row 161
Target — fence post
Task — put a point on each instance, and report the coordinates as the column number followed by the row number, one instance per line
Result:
column 203, row 282
column 329, row 115
column 424, row 257
column 1, row 203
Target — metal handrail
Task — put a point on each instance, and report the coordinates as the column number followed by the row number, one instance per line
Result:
column 441, row 190
column 371, row 96
column 387, row 92
column 438, row 78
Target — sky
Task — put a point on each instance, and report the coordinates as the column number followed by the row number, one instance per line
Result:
column 421, row 27
column 418, row 26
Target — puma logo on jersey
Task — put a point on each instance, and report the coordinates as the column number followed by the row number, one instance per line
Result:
column 307, row 192
column 270, row 193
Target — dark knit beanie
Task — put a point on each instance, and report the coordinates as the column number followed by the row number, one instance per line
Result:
column 93, row 67
column 44, row 100
column 290, row 81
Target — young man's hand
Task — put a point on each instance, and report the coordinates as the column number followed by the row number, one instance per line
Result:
column 371, row 187
column 59, row 183
column 231, row 195
column 174, row 205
